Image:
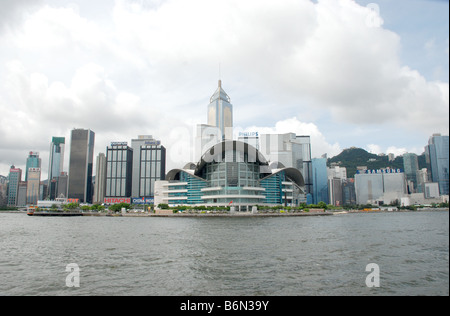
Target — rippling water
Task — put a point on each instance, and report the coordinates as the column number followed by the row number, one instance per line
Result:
column 226, row 256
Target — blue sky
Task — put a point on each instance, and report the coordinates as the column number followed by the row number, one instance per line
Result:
column 330, row 69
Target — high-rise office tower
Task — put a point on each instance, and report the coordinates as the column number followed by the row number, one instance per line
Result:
column 100, row 179
column 81, row 164
column 55, row 165
column 119, row 167
column 149, row 165
column 411, row 166
column 320, row 180
column 436, row 153
column 3, row 190
column 33, row 161
column 33, row 185
column 220, row 113
column 14, row 178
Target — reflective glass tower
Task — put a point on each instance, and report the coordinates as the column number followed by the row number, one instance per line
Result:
column 55, row 165
column 220, row 113
column 80, row 165
column 436, row 154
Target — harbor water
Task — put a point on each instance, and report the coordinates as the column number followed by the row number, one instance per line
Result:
column 254, row 256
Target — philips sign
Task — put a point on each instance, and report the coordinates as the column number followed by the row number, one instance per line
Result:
column 248, row 134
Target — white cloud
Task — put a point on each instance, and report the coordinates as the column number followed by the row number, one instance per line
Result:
column 319, row 144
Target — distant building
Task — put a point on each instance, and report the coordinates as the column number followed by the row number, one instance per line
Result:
column 81, row 164
column 437, row 158
column 348, row 192
column 251, row 138
column 33, row 185
column 33, row 161
column 431, row 190
column 55, row 165
column 62, row 185
column 373, row 185
column 3, row 190
column 100, row 179
column 119, row 167
column 291, row 151
column 411, row 167
column 14, row 178
column 320, row 180
column 149, row 165
column 220, row 113
column 22, row 194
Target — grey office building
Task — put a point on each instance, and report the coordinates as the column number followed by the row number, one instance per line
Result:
column 119, row 166
column 81, row 164
column 149, row 165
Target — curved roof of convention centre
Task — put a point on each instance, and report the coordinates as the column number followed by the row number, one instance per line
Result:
column 174, row 174
column 292, row 173
column 215, row 153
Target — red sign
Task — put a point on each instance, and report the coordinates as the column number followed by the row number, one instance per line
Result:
column 117, row 200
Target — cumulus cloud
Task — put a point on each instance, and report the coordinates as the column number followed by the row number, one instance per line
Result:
column 319, row 144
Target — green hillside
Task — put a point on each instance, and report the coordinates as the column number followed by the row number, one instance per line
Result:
column 353, row 157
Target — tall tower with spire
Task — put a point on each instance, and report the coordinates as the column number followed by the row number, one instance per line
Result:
column 220, row 113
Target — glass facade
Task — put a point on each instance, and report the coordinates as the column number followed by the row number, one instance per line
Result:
column 411, row 166
column 56, row 163
column 320, row 180
column 233, row 172
column 14, row 178
column 437, row 157
column 220, row 113
column 33, row 161
column 80, row 165
column 149, row 165
column 119, row 164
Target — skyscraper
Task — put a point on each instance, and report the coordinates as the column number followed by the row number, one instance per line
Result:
column 436, row 153
column 14, row 178
column 55, row 165
column 320, row 180
column 411, row 166
column 149, row 165
column 220, row 113
column 100, row 179
column 119, row 167
column 33, row 185
column 33, row 161
column 80, row 165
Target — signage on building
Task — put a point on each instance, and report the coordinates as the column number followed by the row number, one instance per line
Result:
column 116, row 200
column 34, row 169
column 376, row 171
column 141, row 200
column 153, row 142
column 119, row 143
column 248, row 134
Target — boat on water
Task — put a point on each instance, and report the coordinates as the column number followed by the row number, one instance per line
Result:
column 32, row 210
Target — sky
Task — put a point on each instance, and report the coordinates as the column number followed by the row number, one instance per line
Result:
column 369, row 74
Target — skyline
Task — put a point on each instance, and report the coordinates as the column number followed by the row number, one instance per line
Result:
column 328, row 69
